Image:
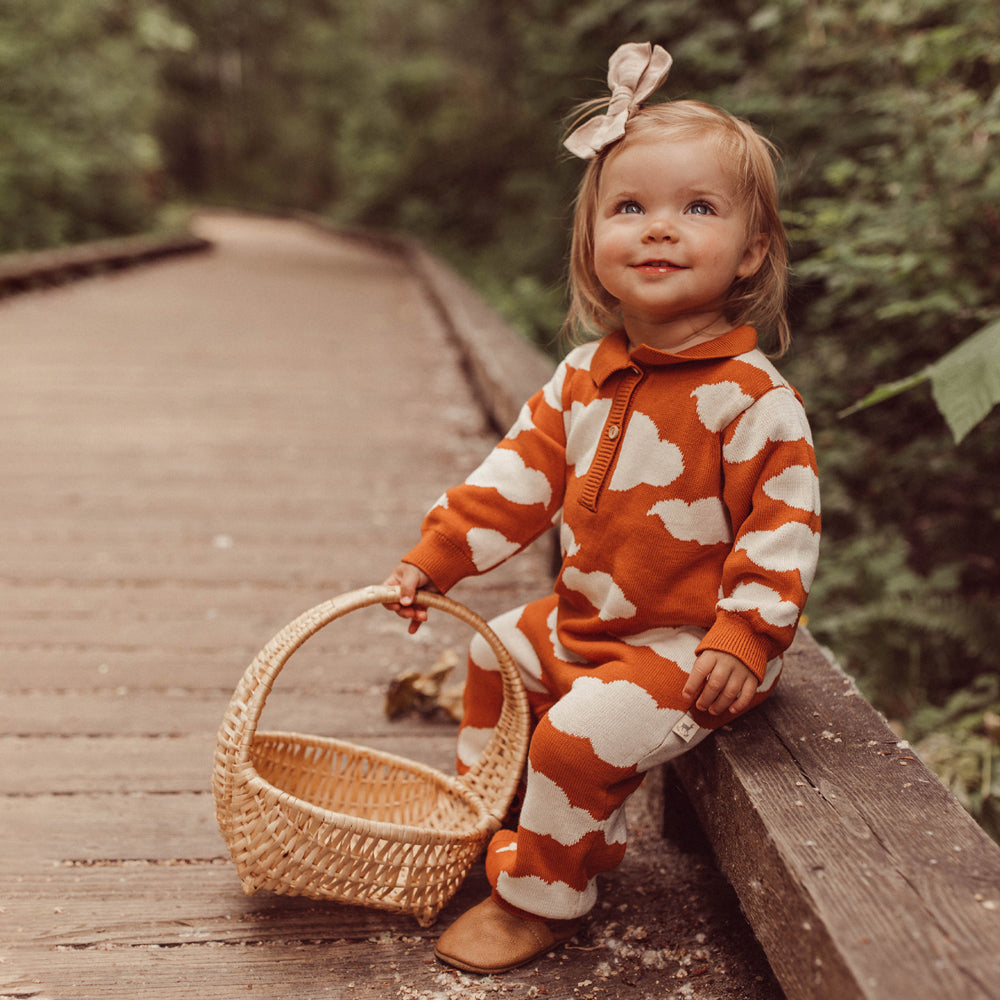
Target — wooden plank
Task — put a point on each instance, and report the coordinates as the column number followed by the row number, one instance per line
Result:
column 102, row 667
column 188, row 613
column 216, row 667
column 45, row 831
column 174, row 930
column 347, row 715
column 216, row 671
column 73, row 765
column 122, row 765
column 384, row 967
column 185, row 635
column 108, row 905
column 886, row 885
column 179, row 929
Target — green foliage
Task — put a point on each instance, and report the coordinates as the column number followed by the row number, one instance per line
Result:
column 961, row 742
column 965, row 383
column 893, row 182
column 78, row 156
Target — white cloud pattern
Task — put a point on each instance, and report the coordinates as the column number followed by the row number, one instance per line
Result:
column 489, row 547
column 758, row 360
column 675, row 644
column 442, row 502
column 583, row 433
column 547, row 811
column 776, row 416
column 720, row 403
column 567, row 541
column 622, row 721
column 556, row 899
column 771, row 674
column 798, row 486
column 644, row 457
column 581, row 357
column 516, row 643
column 789, row 547
column 471, row 744
column 504, row 470
column 564, row 654
column 553, row 390
column 602, row 592
column 524, row 422
column 765, row 601
column 704, row 521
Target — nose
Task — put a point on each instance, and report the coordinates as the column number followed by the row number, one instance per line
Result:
column 658, row 230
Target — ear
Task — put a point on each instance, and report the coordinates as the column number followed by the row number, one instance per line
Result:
column 753, row 256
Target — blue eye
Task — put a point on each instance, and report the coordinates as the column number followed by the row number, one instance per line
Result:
column 630, row 208
column 701, row 208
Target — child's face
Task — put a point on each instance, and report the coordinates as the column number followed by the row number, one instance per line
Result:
column 670, row 238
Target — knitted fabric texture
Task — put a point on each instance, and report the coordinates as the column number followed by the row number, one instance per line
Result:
column 686, row 490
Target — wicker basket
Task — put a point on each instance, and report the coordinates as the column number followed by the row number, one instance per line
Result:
column 319, row 817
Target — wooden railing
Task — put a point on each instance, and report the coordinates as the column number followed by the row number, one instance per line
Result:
column 22, row 272
column 861, row 875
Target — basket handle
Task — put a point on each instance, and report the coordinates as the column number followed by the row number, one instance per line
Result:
column 494, row 779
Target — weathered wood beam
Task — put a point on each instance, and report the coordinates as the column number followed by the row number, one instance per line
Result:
column 861, row 875
column 20, row 272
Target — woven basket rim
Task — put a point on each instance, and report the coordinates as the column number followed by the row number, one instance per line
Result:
column 251, row 810
column 256, row 782
column 236, row 734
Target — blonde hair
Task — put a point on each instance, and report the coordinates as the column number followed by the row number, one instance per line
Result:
column 758, row 300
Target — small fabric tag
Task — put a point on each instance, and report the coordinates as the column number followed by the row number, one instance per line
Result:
column 686, row 729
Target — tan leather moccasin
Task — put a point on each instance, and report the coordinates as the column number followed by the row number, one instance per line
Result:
column 488, row 939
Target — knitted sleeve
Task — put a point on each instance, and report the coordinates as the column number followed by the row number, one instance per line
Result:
column 513, row 497
column 772, row 494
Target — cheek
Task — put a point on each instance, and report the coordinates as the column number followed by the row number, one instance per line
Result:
column 722, row 257
column 608, row 257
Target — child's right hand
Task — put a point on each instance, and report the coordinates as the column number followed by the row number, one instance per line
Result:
column 409, row 579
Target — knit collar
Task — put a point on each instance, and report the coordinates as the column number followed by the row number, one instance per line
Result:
column 613, row 353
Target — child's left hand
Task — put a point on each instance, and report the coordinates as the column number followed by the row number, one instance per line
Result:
column 721, row 682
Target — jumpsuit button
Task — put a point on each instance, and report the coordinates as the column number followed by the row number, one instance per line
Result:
column 613, row 431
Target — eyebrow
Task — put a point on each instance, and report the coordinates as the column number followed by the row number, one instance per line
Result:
column 623, row 194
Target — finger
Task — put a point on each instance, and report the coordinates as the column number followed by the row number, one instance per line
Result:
column 734, row 694
column 713, row 691
column 745, row 699
column 720, row 693
column 417, row 617
column 699, row 672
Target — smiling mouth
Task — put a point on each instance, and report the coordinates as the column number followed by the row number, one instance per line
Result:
column 658, row 265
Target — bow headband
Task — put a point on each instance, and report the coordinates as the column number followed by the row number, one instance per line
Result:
column 635, row 70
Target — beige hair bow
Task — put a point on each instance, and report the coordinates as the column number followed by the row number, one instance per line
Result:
column 635, row 70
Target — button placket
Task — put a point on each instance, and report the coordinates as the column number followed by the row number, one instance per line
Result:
column 611, row 437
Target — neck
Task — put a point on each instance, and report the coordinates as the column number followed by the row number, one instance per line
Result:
column 678, row 336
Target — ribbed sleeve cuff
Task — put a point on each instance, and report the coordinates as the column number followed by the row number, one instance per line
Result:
column 732, row 634
column 442, row 560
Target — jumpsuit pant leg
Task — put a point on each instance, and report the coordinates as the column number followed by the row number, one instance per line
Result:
column 598, row 730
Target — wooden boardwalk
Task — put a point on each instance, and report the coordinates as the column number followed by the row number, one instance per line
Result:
column 194, row 452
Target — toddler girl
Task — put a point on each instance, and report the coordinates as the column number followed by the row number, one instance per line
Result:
column 679, row 466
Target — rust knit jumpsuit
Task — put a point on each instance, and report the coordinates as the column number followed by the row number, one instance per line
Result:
column 685, row 489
